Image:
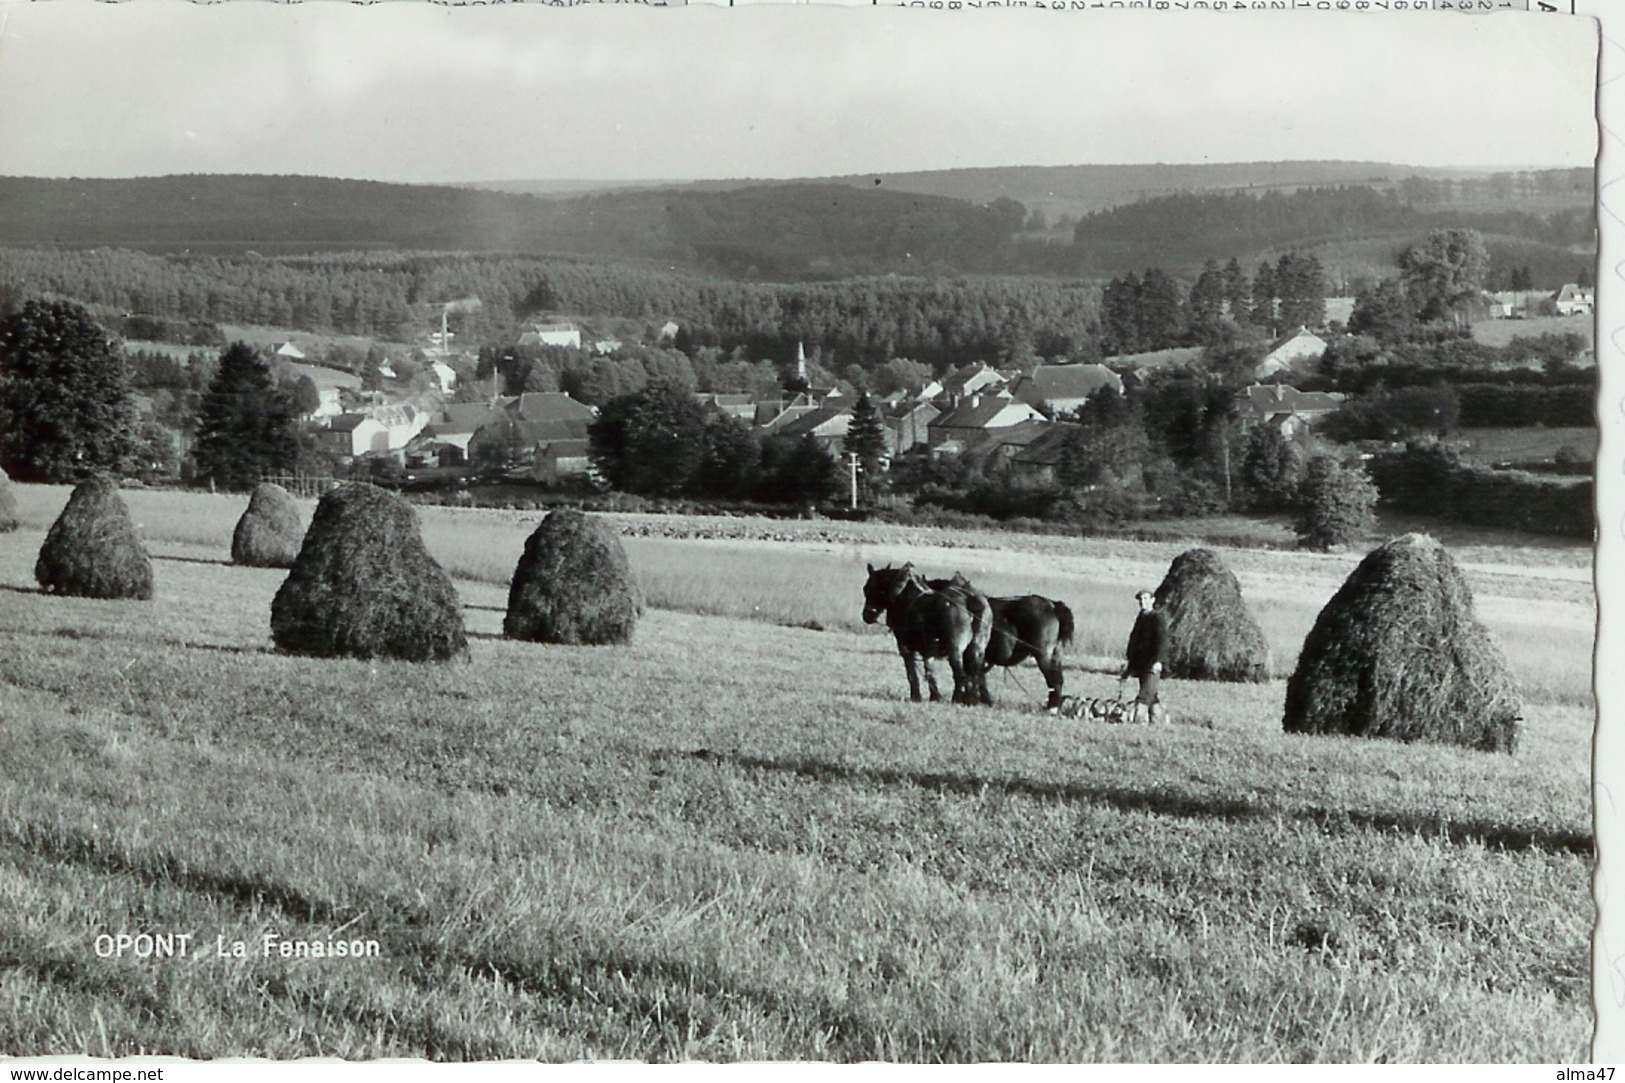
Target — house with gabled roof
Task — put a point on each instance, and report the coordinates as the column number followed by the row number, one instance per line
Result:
column 908, row 424
column 1574, row 300
column 971, row 379
column 827, row 425
column 977, row 414
column 1289, row 352
column 350, row 435
column 1065, row 388
column 742, row 406
column 550, row 406
column 1285, row 407
column 557, row 333
column 1039, row 459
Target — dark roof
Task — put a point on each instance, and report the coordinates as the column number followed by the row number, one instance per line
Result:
column 1267, row 399
column 347, row 422
column 532, row 433
column 564, row 449
column 810, row 421
column 550, row 406
column 1052, row 383
column 465, row 417
column 975, row 415
column 1046, row 450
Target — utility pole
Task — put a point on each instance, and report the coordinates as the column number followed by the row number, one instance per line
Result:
column 852, row 464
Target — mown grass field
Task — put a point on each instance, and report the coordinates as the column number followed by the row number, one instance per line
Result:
column 736, row 840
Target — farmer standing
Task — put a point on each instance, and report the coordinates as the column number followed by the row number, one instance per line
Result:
column 1147, row 656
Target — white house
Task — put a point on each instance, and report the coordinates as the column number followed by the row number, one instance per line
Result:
column 1575, row 300
column 552, row 334
column 446, row 375
column 1290, row 351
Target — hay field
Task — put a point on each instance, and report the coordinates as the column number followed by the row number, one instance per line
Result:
column 735, row 840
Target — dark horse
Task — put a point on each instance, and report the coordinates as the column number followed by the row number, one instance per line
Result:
column 1029, row 626
column 952, row 622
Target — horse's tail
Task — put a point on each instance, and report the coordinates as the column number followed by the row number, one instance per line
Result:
column 1064, row 616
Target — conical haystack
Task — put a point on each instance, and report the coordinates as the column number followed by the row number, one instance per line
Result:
column 1399, row 653
column 270, row 532
column 572, row 585
column 92, row 550
column 1211, row 634
column 364, row 586
column 10, row 519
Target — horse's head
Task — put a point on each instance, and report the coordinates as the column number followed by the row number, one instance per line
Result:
column 883, row 588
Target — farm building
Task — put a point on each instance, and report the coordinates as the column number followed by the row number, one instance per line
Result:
column 975, row 417
column 552, row 334
column 1065, row 388
column 550, row 406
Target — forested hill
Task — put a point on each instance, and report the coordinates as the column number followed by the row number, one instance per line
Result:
column 783, row 231
column 789, row 231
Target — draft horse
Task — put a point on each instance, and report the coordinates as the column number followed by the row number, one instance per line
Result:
column 1028, row 626
column 952, row 622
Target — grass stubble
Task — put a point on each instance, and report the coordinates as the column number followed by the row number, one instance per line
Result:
column 737, row 841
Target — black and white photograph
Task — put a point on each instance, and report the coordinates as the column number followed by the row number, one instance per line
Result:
column 799, row 534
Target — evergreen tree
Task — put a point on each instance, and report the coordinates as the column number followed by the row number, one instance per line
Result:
column 1238, row 292
column 1160, row 314
column 1338, row 503
column 1264, row 294
column 65, row 409
column 1205, row 307
column 866, row 438
column 1300, row 283
column 1272, row 469
column 246, row 426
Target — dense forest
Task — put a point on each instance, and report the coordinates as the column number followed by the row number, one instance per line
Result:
column 939, row 321
column 1190, row 228
column 796, row 231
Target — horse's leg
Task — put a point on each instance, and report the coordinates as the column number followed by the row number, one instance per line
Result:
column 1050, row 664
column 910, row 667
column 963, row 691
column 931, row 679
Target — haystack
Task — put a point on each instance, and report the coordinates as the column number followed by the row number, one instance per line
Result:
column 1399, row 653
column 1211, row 634
column 364, row 586
column 572, row 585
column 10, row 519
column 269, row 533
column 92, row 550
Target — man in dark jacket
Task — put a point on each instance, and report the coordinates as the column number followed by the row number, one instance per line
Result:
column 1147, row 656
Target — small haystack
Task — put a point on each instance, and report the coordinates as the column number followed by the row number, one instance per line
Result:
column 10, row 519
column 270, row 532
column 572, row 585
column 1399, row 653
column 92, row 550
column 1211, row 634
column 364, row 586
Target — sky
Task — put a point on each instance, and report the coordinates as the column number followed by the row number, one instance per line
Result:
column 418, row 93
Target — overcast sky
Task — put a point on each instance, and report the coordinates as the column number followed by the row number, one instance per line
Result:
column 412, row 92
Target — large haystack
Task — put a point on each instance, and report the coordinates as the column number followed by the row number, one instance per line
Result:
column 363, row 585
column 10, row 519
column 92, row 550
column 1211, row 634
column 1399, row 653
column 270, row 532
column 572, row 585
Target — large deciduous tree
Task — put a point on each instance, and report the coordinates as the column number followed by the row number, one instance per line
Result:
column 1444, row 272
column 651, row 441
column 65, row 410
column 246, row 426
